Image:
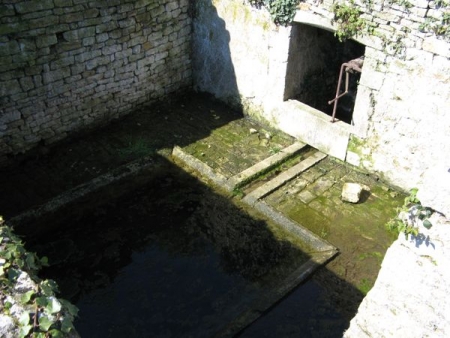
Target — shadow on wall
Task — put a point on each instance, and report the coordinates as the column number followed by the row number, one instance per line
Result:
column 213, row 69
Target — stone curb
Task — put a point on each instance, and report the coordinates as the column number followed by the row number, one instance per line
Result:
column 266, row 164
column 284, row 177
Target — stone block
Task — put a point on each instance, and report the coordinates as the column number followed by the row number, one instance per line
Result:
column 63, row 3
column 7, row 10
column 9, row 87
column 26, row 83
column 436, row 46
column 115, row 34
column 127, row 23
column 53, row 76
column 87, row 55
column 44, row 22
column 88, row 41
column 71, row 17
column 45, row 41
column 102, row 37
column 91, row 13
column 33, row 6
column 351, row 192
column 106, row 27
column 91, row 64
column 9, row 48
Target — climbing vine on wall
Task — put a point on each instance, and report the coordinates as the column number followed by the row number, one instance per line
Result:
column 281, row 11
column 348, row 19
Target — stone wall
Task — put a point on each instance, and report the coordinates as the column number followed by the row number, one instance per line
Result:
column 400, row 121
column 67, row 64
column 410, row 296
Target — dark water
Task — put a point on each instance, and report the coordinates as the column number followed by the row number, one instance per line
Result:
column 161, row 255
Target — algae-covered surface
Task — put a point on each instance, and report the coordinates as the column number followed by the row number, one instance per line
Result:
column 237, row 146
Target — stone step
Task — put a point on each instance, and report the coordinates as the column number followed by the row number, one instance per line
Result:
column 265, row 165
column 282, row 178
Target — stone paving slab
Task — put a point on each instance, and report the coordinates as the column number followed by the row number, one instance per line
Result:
column 265, row 164
column 238, row 145
column 284, row 177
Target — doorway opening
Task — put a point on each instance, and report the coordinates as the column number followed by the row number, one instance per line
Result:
column 314, row 62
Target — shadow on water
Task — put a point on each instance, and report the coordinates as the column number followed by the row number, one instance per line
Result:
column 160, row 254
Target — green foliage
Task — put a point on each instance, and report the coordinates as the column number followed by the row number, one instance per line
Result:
column 274, row 150
column 348, row 19
column 137, row 148
column 403, row 3
column 237, row 192
column 437, row 27
column 412, row 208
column 281, row 11
column 55, row 315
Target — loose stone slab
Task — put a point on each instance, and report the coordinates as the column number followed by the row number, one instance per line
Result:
column 351, row 192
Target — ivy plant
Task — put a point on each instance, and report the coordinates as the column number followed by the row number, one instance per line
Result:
column 347, row 16
column 281, row 11
column 405, row 221
column 43, row 314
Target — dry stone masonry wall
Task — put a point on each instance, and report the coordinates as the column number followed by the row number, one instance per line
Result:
column 67, row 64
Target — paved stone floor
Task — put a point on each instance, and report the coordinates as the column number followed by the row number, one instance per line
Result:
column 227, row 142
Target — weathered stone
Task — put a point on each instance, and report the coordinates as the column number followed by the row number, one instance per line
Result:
column 351, row 192
column 44, row 41
column 33, row 6
column 416, row 308
column 63, row 3
column 7, row 327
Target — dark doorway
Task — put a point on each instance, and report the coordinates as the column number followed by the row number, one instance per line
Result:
column 315, row 58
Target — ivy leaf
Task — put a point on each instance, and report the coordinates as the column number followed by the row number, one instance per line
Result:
column 24, row 318
column 53, row 305
column 45, row 323
column 40, row 335
column 48, row 287
column 31, row 261
column 427, row 224
column 24, row 330
column 66, row 325
column 20, row 263
column 13, row 274
column 44, row 261
column 42, row 301
column 56, row 333
column 25, row 298
column 72, row 309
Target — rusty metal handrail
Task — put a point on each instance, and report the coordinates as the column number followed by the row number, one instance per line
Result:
column 352, row 66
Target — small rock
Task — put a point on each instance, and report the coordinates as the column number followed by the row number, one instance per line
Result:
column 351, row 192
column 253, row 131
column 24, row 283
column 7, row 327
